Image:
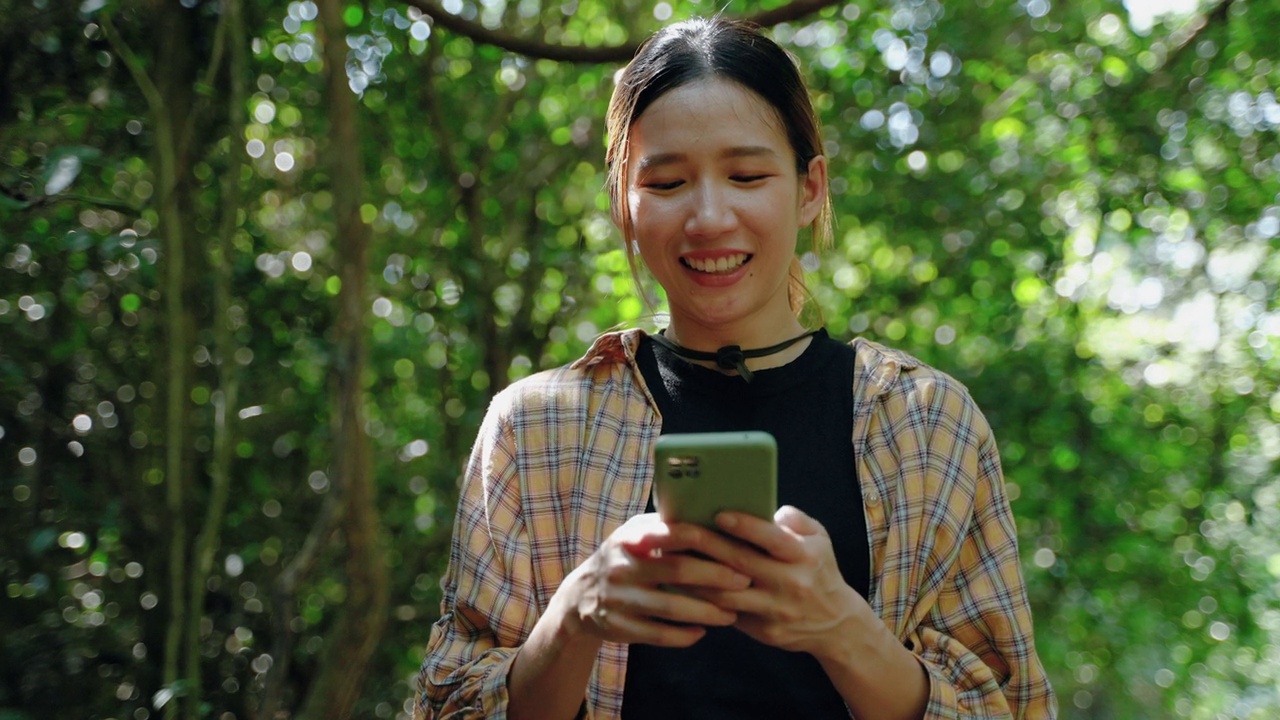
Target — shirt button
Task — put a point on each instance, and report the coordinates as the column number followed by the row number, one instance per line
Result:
column 873, row 499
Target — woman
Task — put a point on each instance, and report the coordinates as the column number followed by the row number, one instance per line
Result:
column 888, row 584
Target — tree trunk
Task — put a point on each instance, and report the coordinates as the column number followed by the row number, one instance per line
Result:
column 349, row 649
column 231, row 36
column 168, row 97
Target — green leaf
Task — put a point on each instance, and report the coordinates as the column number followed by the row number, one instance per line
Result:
column 12, row 203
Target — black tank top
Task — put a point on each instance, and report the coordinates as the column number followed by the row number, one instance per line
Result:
column 807, row 405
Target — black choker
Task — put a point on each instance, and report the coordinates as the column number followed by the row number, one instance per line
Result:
column 729, row 357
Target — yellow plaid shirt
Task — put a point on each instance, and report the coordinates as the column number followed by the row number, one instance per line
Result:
column 565, row 457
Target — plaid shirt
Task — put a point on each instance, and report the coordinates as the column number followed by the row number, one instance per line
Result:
column 565, row 457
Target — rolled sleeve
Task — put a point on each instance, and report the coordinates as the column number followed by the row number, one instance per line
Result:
column 488, row 603
column 977, row 643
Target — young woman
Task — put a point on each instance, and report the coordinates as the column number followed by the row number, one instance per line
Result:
column 887, row 585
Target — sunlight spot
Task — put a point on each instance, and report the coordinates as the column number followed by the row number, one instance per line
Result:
column 944, row 335
column 265, row 112
column 64, row 173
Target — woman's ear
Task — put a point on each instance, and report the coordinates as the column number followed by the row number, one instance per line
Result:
column 813, row 190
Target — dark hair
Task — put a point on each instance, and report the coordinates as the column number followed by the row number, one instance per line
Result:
column 723, row 48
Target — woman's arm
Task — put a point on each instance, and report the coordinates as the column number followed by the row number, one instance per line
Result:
column 492, row 652
column 616, row 596
column 980, row 669
column 472, row 645
column 973, row 636
column 798, row 601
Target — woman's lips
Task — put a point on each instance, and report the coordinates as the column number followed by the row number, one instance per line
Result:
column 720, row 271
column 718, row 265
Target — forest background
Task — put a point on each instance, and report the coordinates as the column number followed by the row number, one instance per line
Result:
column 264, row 263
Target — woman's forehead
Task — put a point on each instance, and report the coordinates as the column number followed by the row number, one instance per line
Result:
column 711, row 110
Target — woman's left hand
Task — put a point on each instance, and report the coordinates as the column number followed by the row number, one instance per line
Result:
column 798, row 599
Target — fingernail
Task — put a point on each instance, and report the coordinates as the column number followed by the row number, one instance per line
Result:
column 742, row 581
column 727, row 520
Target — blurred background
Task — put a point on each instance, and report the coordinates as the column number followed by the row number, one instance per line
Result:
column 262, row 265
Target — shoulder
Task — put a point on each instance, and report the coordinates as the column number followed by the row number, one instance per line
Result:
column 890, row 369
column 609, row 360
column 547, row 392
column 906, row 385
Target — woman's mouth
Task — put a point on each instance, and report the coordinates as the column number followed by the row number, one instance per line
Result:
column 716, row 266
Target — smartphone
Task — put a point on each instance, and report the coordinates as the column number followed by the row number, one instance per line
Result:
column 698, row 475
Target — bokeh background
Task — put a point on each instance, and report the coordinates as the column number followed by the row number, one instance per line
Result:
column 262, row 265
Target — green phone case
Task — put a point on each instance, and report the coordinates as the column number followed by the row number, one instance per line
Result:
column 697, row 475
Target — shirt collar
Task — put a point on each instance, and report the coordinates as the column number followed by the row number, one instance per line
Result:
column 611, row 348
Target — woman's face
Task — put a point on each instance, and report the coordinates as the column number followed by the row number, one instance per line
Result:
column 716, row 204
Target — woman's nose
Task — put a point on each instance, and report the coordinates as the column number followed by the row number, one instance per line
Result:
column 712, row 213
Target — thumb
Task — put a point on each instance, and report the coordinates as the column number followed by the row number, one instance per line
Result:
column 795, row 520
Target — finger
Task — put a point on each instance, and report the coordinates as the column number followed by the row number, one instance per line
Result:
column 647, row 535
column 676, row 607
column 797, row 521
column 753, row 601
column 778, row 542
column 661, row 537
column 684, row 608
column 689, row 569
column 625, row 628
column 640, row 532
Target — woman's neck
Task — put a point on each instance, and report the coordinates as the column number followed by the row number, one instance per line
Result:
column 695, row 337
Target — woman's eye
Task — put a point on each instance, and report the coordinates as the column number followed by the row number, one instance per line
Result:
column 667, row 185
column 748, row 178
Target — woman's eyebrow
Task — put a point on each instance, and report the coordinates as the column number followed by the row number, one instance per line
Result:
column 649, row 162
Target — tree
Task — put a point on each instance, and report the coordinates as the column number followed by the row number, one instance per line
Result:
column 263, row 270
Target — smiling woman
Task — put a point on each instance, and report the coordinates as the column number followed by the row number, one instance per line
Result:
column 715, row 204
column 888, row 584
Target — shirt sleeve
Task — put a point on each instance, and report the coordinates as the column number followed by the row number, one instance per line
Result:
column 977, row 641
column 488, row 606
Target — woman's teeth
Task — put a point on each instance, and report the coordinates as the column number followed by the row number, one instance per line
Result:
column 723, row 264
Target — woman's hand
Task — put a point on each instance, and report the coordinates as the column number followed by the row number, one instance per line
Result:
column 797, row 600
column 620, row 593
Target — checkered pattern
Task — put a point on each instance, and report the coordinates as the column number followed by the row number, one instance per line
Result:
column 565, row 457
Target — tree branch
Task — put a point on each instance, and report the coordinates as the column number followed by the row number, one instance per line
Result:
column 148, row 87
column 30, row 203
column 1185, row 35
column 542, row 50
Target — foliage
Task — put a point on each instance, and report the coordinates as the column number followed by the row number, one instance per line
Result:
column 1072, row 207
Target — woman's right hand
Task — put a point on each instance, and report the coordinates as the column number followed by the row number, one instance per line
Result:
column 622, row 592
